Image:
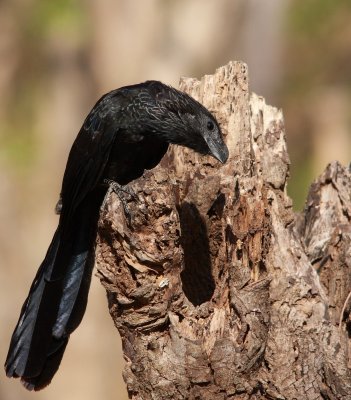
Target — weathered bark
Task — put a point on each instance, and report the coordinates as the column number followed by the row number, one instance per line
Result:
column 217, row 289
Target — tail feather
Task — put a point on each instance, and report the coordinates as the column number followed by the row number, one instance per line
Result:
column 76, row 282
column 25, row 337
column 70, row 292
column 49, row 368
column 56, row 302
column 73, row 304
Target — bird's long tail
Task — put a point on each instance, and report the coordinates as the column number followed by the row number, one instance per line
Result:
column 56, row 301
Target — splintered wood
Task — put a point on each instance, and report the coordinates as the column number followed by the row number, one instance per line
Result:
column 217, row 289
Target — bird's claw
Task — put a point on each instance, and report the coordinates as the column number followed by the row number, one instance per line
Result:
column 120, row 191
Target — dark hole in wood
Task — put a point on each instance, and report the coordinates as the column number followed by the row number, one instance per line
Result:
column 197, row 280
column 217, row 206
column 348, row 328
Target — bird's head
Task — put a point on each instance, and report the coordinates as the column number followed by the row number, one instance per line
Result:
column 179, row 119
column 203, row 134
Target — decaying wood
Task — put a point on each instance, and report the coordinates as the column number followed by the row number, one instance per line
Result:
column 217, row 289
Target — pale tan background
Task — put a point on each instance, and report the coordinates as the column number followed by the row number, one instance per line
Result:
column 58, row 57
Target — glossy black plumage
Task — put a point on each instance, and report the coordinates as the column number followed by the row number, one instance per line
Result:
column 126, row 132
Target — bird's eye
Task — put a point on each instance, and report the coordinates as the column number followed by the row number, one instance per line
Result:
column 210, row 125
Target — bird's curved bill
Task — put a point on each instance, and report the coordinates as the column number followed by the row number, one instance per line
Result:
column 217, row 148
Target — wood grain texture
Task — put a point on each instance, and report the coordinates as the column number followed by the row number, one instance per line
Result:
column 217, row 289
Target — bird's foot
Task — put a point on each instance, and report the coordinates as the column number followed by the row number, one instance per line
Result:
column 119, row 189
column 121, row 192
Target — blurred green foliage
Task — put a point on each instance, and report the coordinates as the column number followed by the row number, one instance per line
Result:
column 19, row 140
column 301, row 176
column 55, row 15
column 314, row 18
column 317, row 55
column 36, row 22
column 319, row 37
column 19, row 151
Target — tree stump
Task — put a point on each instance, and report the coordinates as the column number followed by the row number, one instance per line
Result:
column 217, row 289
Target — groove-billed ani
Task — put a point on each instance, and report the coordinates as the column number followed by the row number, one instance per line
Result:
column 126, row 132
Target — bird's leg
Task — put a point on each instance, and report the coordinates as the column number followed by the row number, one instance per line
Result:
column 120, row 191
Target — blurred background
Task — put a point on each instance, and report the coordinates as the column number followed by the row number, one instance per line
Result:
column 58, row 57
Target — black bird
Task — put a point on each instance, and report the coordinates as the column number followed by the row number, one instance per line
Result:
column 126, row 132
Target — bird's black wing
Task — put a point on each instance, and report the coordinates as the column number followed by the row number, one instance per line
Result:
column 89, row 154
